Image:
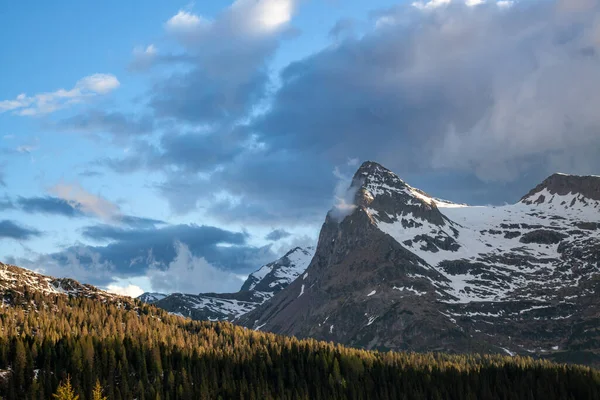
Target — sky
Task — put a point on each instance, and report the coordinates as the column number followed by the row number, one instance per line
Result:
column 178, row 146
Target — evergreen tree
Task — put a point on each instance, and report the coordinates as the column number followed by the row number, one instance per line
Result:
column 97, row 392
column 65, row 391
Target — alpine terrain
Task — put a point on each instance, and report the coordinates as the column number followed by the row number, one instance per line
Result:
column 260, row 286
column 406, row 271
column 63, row 340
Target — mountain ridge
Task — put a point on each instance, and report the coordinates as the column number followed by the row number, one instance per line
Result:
column 260, row 285
column 404, row 271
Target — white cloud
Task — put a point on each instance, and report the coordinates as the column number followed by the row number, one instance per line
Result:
column 431, row 4
column 190, row 274
column 144, row 57
column 45, row 103
column 265, row 15
column 242, row 18
column 474, row 2
column 343, row 196
column 185, row 22
column 129, row 290
column 86, row 201
column 504, row 3
column 98, row 83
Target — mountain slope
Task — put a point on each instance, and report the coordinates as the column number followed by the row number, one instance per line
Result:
column 407, row 271
column 19, row 280
column 260, row 286
column 137, row 351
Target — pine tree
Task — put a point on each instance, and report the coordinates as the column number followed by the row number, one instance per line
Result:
column 97, row 392
column 65, row 391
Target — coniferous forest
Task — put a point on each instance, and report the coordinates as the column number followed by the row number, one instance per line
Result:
column 64, row 347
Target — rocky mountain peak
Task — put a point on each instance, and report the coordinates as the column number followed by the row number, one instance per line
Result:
column 564, row 185
column 388, row 198
column 278, row 274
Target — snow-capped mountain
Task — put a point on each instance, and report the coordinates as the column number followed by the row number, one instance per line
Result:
column 151, row 297
column 405, row 270
column 260, row 286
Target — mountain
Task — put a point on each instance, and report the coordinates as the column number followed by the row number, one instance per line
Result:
column 260, row 286
column 407, row 271
column 61, row 339
column 18, row 280
column 151, row 297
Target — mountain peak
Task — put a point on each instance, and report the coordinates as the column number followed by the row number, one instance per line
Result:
column 559, row 184
column 388, row 198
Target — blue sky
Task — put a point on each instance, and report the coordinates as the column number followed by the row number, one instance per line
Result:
column 157, row 146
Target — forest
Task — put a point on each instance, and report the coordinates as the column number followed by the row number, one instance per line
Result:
column 66, row 347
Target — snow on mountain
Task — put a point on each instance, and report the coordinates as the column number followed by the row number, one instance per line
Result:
column 272, row 277
column 151, row 297
column 442, row 275
column 16, row 279
column 260, row 286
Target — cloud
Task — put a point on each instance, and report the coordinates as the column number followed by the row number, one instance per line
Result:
column 143, row 57
column 125, row 253
column 70, row 206
column 226, row 59
column 344, row 195
column 277, row 234
column 129, row 290
column 87, row 202
column 184, row 22
column 49, row 205
column 480, row 100
column 12, row 230
column 117, row 124
column 187, row 273
column 45, row 103
column 6, row 204
column 444, row 90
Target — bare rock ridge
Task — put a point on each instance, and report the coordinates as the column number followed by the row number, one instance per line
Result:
column 405, row 270
column 561, row 184
column 260, row 286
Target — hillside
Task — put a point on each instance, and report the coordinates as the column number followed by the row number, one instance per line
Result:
column 138, row 351
column 407, row 271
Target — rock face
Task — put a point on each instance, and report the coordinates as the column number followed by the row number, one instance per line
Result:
column 405, row 270
column 260, row 286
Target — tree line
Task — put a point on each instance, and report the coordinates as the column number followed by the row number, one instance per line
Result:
column 90, row 348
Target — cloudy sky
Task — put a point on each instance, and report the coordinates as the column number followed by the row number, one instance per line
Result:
column 177, row 146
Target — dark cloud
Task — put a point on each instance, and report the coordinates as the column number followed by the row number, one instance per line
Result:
column 117, row 124
column 476, row 104
column 226, row 61
column 49, row 205
column 277, row 234
column 134, row 251
column 140, row 222
column 12, row 230
column 57, row 206
column 90, row 173
column 196, row 97
column 6, row 204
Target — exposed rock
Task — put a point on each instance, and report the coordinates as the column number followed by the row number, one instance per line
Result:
column 542, row 236
column 407, row 271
